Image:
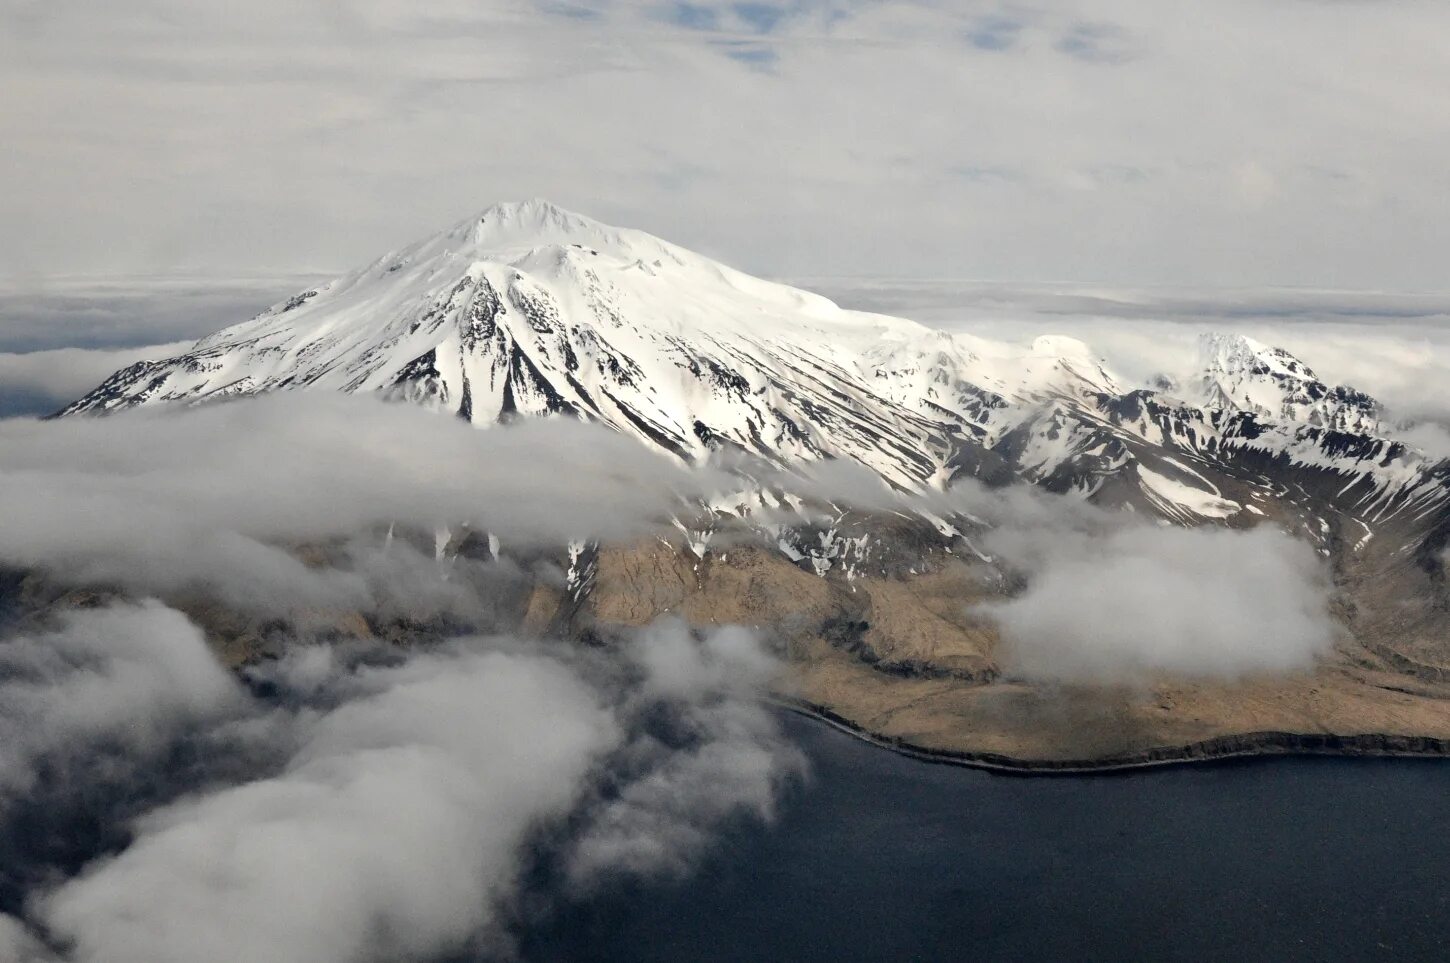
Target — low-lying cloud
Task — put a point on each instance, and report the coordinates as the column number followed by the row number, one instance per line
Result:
column 389, row 833
column 45, row 314
column 1103, row 597
column 409, row 794
column 725, row 756
column 122, row 681
column 166, row 501
column 1109, row 598
column 207, row 500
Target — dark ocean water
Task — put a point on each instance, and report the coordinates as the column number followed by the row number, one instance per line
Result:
column 880, row 857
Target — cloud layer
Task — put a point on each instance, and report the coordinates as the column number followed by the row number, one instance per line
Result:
column 207, row 500
column 41, row 314
column 1140, row 141
column 42, row 382
column 174, row 501
column 1394, row 346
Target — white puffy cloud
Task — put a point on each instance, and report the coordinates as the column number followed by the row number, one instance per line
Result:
column 1110, row 599
column 122, row 681
column 391, row 833
column 366, row 804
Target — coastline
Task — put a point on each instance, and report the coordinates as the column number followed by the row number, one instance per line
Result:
column 1242, row 746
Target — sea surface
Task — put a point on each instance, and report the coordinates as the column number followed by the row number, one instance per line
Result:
column 880, row 857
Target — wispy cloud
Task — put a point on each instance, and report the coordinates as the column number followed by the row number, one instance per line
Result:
column 691, row 16
column 1099, row 43
column 760, row 17
column 751, row 54
column 994, row 32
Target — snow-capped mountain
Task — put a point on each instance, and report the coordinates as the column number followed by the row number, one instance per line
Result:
column 527, row 309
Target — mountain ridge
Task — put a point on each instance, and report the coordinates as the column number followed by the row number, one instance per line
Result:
column 527, row 309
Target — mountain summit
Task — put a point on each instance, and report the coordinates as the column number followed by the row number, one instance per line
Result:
column 520, row 226
column 1239, row 373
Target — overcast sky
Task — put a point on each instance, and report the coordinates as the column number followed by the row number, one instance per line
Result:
column 1238, row 142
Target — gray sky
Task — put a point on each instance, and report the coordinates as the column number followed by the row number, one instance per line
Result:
column 1239, row 142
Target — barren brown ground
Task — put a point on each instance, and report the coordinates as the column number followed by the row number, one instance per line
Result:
column 904, row 659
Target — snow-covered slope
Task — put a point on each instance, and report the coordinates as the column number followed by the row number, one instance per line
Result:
column 527, row 309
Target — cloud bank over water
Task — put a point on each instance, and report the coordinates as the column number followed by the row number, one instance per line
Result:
column 42, row 382
column 395, row 799
column 356, row 802
column 121, row 681
column 362, row 801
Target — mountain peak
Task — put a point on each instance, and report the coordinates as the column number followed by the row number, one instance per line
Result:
column 1232, row 353
column 535, row 222
column 1237, row 372
column 509, row 230
column 535, row 213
